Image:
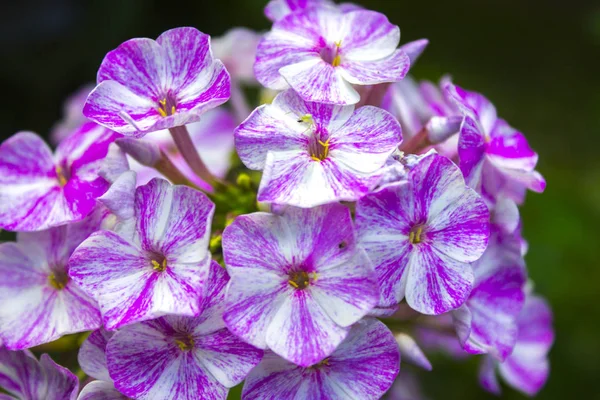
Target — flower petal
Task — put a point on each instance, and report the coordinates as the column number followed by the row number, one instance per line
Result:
column 371, row 72
column 92, row 355
column 368, row 36
column 99, row 390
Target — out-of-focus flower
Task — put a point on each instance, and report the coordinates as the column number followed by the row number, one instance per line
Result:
column 157, row 264
column 527, row 368
column 40, row 302
column 494, row 157
column 146, row 85
column 73, row 116
column 321, row 52
column 183, row 358
column 237, row 50
column 363, row 366
column 39, row 190
column 26, row 378
column 421, row 237
column 313, row 153
column 298, row 281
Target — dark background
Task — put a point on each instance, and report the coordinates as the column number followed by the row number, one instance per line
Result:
column 537, row 60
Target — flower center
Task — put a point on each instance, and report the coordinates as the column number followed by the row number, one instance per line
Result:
column 58, row 280
column 185, row 343
column 62, row 176
column 167, row 106
column 331, row 54
column 416, row 235
column 301, row 279
column 159, row 265
column 319, row 150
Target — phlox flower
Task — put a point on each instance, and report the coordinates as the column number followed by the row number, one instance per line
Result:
column 39, row 190
column 278, row 9
column 422, row 235
column 298, row 281
column 146, row 85
column 364, row 367
column 422, row 107
column 237, row 51
column 182, row 358
column 487, row 322
column 313, row 154
column 322, row 51
column 527, row 368
column 23, row 377
column 40, row 302
column 73, row 116
column 494, row 157
column 158, row 261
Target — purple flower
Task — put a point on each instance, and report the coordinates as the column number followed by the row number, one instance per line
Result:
column 100, row 390
column 313, row 154
column 422, row 235
column 364, row 367
column 23, row 377
column 527, row 368
column 159, row 262
column 494, row 157
column 298, row 281
column 423, row 107
column 146, row 85
column 321, row 52
column 182, row 357
column 73, row 116
column 237, row 50
column 487, row 322
column 39, row 190
column 40, row 302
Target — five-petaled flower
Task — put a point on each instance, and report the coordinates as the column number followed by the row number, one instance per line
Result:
column 422, row 235
column 321, row 51
column 146, row 85
column 298, row 281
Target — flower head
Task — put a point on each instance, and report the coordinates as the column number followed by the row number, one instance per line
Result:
column 314, row 153
column 363, row 366
column 73, row 116
column 182, row 357
column 26, row 378
column 237, row 50
column 422, row 235
column 39, row 190
column 146, row 85
column 159, row 261
column 494, row 157
column 321, row 52
column 40, row 302
column 527, row 368
column 298, row 281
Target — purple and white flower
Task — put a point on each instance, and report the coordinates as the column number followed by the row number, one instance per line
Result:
column 322, row 51
column 527, row 368
column 237, row 50
column 73, row 116
column 40, row 302
column 494, row 157
column 39, row 190
column 278, row 9
column 146, row 85
column 422, row 235
column 364, row 367
column 313, row 154
column 487, row 322
column 100, row 390
column 299, row 281
column 159, row 262
column 182, row 357
column 23, row 377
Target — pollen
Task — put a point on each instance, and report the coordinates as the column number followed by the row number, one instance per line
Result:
column 320, row 150
column 60, row 175
column 58, row 281
column 159, row 266
column 301, row 279
column 166, row 107
column 185, row 343
column 416, row 235
column 337, row 61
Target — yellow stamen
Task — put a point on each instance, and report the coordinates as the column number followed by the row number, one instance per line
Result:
column 56, row 282
column 158, row 266
column 162, row 112
column 294, row 284
column 323, row 152
column 185, row 345
column 62, row 180
column 415, row 235
column 173, row 109
column 163, row 102
column 337, row 61
column 316, row 158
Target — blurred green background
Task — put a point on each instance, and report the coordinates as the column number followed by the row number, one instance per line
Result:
column 539, row 62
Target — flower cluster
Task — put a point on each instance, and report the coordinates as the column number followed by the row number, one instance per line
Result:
column 363, row 216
